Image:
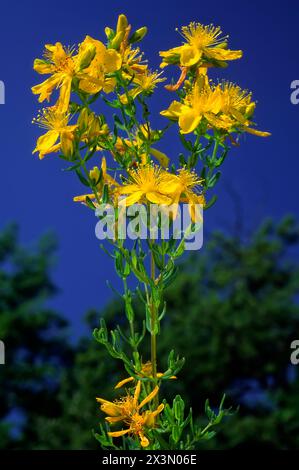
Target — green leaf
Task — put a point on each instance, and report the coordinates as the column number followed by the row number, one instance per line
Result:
column 82, row 178
column 213, row 180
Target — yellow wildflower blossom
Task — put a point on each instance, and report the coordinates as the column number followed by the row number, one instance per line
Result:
column 148, row 184
column 132, row 61
column 127, row 410
column 237, row 108
column 56, row 125
column 63, row 66
column 143, row 83
column 146, row 371
column 200, row 102
column 184, row 186
column 104, row 62
column 203, row 45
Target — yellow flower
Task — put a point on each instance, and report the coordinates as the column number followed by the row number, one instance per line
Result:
column 237, row 109
column 127, row 410
column 185, row 189
column 132, row 61
column 56, row 124
column 100, row 177
column 204, row 44
column 93, row 127
column 200, row 102
column 63, row 66
column 144, row 83
column 148, row 184
column 90, row 65
column 104, row 62
column 146, row 371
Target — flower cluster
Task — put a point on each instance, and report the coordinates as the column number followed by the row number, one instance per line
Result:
column 223, row 107
column 99, row 124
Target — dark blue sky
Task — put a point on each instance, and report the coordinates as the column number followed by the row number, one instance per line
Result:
column 262, row 172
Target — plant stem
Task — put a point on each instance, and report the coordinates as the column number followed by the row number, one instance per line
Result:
column 131, row 323
column 153, row 325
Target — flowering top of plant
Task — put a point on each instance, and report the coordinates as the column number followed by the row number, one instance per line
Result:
column 99, row 123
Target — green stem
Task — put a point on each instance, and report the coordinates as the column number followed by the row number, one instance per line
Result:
column 215, row 150
column 153, row 325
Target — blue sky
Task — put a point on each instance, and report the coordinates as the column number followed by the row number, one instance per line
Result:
column 263, row 173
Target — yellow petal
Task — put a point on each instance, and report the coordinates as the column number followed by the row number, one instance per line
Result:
column 112, row 61
column 130, row 200
column 174, row 111
column 160, row 156
column 46, row 141
column 170, row 52
column 114, row 419
column 91, row 85
column 189, row 56
column 45, row 88
column 118, row 433
column 65, row 94
column 42, row 67
column 137, row 392
column 110, row 409
column 223, row 54
column 149, row 397
column 151, row 415
column 109, row 85
column 214, row 103
column 124, row 382
column 188, row 121
column 158, row 198
column 170, row 185
column 55, row 148
column 58, row 52
column 129, row 189
column 256, row 132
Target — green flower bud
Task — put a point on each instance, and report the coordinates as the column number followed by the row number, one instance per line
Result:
column 110, row 33
column 138, row 35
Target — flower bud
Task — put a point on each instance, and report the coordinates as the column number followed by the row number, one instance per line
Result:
column 67, row 144
column 138, row 35
column 122, row 23
column 94, row 174
column 116, row 41
column 86, row 56
column 110, row 33
column 83, row 120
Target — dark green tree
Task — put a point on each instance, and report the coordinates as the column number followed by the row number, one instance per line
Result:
column 34, row 337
